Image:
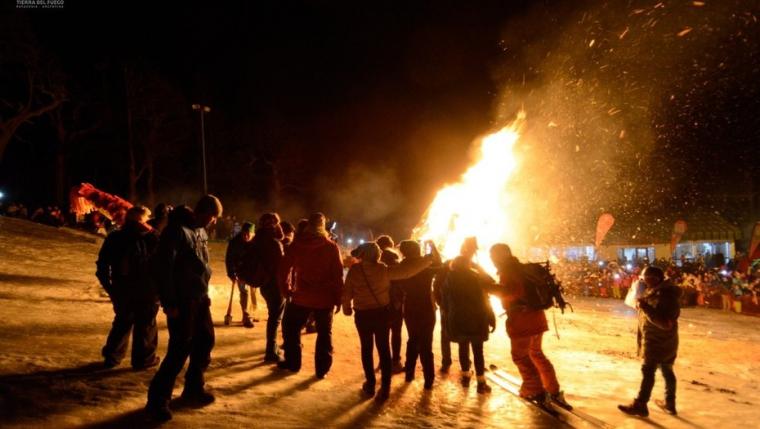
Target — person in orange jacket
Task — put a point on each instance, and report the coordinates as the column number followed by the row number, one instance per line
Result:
column 525, row 328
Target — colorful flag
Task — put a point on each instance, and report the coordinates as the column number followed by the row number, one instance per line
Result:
column 603, row 225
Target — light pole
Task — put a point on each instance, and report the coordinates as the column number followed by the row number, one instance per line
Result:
column 203, row 110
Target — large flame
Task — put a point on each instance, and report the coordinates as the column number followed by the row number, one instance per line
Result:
column 481, row 204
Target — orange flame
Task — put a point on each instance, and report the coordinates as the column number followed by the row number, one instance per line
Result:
column 481, row 203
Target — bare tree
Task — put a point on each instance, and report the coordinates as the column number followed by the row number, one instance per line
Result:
column 157, row 120
column 32, row 88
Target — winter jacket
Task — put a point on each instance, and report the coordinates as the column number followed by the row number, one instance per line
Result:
column 466, row 307
column 659, row 310
column 367, row 278
column 123, row 265
column 269, row 254
column 419, row 305
column 314, row 261
column 181, row 264
column 521, row 320
column 233, row 258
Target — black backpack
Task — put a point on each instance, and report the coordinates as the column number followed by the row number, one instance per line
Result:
column 542, row 289
column 133, row 263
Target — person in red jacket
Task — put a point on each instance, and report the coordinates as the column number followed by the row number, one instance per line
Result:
column 526, row 327
column 314, row 261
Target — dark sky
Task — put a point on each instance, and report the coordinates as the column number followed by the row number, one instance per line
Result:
column 364, row 110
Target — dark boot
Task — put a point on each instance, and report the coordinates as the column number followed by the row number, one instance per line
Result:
column 668, row 407
column 383, row 394
column 198, row 398
column 483, row 387
column 368, row 388
column 559, row 399
column 635, row 408
column 465, row 378
column 158, row 412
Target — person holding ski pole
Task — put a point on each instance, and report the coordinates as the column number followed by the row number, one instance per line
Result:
column 233, row 261
column 525, row 328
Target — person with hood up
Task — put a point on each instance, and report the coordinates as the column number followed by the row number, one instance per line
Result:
column 311, row 277
column 124, row 272
column 182, row 271
column 367, row 292
column 659, row 310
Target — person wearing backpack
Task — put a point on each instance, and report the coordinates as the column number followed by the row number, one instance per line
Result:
column 367, row 293
column 267, row 247
column 233, row 262
column 526, row 325
column 123, row 271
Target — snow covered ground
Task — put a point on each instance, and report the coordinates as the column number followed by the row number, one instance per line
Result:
column 54, row 319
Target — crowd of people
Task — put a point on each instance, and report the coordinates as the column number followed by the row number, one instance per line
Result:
column 302, row 274
column 160, row 259
column 49, row 215
column 721, row 286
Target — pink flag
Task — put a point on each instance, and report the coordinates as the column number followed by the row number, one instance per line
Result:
column 679, row 229
column 603, row 225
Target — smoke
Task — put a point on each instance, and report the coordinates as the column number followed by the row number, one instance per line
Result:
column 609, row 90
column 362, row 194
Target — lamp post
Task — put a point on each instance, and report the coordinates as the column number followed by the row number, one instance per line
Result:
column 203, row 110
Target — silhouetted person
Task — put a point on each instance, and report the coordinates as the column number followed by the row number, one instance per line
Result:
column 123, row 269
column 468, row 317
column 390, row 257
column 268, row 249
column 419, row 312
column 659, row 310
column 183, row 272
column 233, row 262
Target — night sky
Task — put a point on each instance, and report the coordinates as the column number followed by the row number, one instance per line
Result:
column 365, row 110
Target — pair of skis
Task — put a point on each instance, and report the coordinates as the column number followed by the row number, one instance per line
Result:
column 569, row 416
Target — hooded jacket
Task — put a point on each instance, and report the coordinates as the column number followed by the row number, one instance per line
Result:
column 267, row 247
column 659, row 310
column 181, row 263
column 419, row 305
column 315, row 263
column 123, row 265
column 465, row 305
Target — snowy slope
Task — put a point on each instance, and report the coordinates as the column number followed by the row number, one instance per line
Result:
column 53, row 321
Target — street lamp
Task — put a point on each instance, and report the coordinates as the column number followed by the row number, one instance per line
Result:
column 203, row 110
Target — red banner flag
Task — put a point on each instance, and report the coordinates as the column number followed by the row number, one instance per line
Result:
column 679, row 229
column 603, row 225
column 754, row 242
